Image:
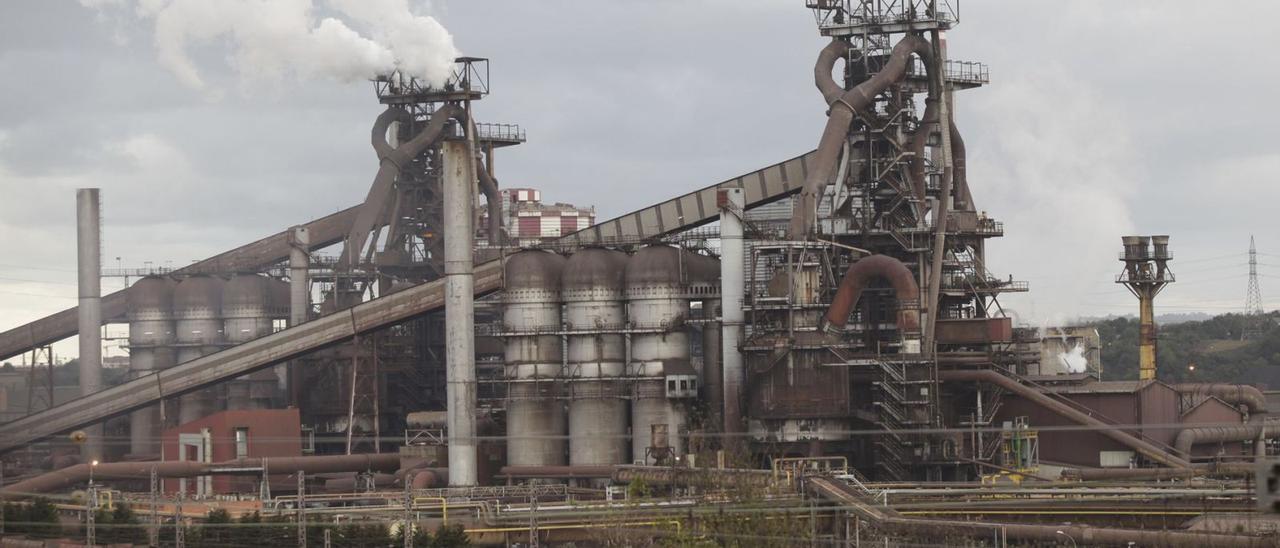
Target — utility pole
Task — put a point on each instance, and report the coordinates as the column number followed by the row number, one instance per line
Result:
column 91, row 508
column 328, row 538
column 179, row 534
column 533, row 519
column 406, row 530
column 153, row 530
column 302, row 509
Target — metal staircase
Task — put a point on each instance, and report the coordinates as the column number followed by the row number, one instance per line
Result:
column 897, row 414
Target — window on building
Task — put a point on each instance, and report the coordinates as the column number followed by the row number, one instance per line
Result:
column 242, row 442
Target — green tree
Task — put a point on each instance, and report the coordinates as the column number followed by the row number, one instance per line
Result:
column 450, row 536
column 217, row 530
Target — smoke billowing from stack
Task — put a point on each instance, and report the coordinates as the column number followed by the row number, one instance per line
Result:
column 270, row 40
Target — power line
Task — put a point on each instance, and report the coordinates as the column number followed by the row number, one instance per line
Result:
column 36, row 281
column 25, row 294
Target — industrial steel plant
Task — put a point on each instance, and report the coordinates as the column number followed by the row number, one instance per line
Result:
column 812, row 353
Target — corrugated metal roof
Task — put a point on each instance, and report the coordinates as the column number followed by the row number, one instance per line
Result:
column 1103, row 387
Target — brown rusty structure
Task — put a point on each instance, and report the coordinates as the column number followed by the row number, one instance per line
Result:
column 845, row 315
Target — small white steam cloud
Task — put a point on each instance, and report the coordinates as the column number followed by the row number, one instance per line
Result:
column 1073, row 360
column 270, row 39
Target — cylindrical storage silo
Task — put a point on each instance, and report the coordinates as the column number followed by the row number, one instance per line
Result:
column 592, row 289
column 279, row 308
column 245, row 317
column 536, row 425
column 151, row 336
column 657, row 306
column 197, row 307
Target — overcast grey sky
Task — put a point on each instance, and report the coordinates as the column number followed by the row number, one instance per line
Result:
column 1103, row 118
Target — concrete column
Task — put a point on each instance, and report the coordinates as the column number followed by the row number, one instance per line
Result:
column 299, row 297
column 732, row 205
column 712, row 369
column 459, row 201
column 89, row 265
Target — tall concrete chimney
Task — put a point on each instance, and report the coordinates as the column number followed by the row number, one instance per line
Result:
column 299, row 300
column 89, row 266
column 459, row 311
column 732, row 206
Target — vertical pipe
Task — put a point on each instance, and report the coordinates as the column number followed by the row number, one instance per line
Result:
column 459, row 192
column 299, row 299
column 89, row 259
column 944, row 196
column 732, row 205
column 1146, row 333
column 712, row 373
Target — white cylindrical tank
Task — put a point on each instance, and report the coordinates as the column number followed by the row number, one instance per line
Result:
column 246, row 301
column 151, row 337
column 592, row 289
column 197, row 307
column 660, row 281
column 536, row 427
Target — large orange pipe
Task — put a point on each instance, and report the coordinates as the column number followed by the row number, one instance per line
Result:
column 860, row 275
column 843, row 105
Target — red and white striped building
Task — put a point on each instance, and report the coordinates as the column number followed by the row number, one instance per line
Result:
column 528, row 221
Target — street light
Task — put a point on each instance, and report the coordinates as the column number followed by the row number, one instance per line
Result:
column 1073, row 541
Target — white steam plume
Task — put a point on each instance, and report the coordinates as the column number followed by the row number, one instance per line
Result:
column 270, row 39
column 1074, row 360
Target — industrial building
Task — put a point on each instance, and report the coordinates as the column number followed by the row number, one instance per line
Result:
column 825, row 327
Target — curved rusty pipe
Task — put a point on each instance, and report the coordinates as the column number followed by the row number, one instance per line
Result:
column 427, row 478
column 391, row 160
column 1234, row 394
column 928, row 126
column 842, row 109
column 493, row 201
column 378, row 137
column 860, row 275
column 1256, row 431
column 959, row 172
column 915, row 170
